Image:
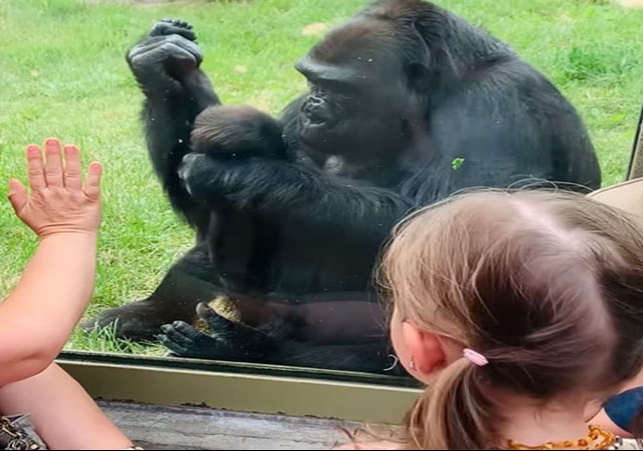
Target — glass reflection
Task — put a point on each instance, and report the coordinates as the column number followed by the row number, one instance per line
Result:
column 252, row 233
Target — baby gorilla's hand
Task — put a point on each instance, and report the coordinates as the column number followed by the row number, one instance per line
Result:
column 58, row 202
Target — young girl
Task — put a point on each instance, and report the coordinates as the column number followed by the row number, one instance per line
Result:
column 37, row 318
column 518, row 310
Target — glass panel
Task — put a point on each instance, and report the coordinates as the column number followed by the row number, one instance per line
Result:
column 250, row 234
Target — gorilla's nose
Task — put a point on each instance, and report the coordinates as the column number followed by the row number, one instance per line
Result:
column 315, row 101
column 316, row 110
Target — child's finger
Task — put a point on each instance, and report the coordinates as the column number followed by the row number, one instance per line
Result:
column 92, row 185
column 35, row 168
column 72, row 177
column 53, row 165
column 17, row 196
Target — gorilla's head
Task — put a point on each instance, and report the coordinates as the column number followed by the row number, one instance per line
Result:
column 368, row 82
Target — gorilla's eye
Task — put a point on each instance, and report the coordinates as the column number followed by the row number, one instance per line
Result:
column 339, row 87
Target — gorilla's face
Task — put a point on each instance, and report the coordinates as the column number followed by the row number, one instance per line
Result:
column 358, row 95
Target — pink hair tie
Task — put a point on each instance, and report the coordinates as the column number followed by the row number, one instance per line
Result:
column 476, row 358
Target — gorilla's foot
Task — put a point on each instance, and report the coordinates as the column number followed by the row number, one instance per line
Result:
column 229, row 340
column 137, row 321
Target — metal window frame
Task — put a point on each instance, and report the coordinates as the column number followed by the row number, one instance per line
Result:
column 635, row 167
column 242, row 387
column 258, row 388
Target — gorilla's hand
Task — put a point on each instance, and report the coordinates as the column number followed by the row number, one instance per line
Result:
column 266, row 185
column 166, row 27
column 244, row 182
column 229, row 340
column 206, row 178
column 165, row 57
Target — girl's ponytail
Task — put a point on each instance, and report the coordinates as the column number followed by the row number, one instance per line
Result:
column 453, row 413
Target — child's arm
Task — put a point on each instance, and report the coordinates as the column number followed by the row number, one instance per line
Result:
column 617, row 413
column 62, row 412
column 620, row 410
column 37, row 318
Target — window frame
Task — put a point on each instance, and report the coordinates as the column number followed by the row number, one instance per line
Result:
column 242, row 387
column 635, row 166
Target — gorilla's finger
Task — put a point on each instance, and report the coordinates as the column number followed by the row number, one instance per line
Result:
column 173, row 45
column 164, row 28
column 186, row 330
column 185, row 338
column 175, row 335
column 154, row 42
column 176, row 348
column 144, row 47
column 185, row 25
column 160, row 44
column 186, row 341
column 186, row 44
column 171, row 353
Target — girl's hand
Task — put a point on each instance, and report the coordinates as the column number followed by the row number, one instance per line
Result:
column 58, row 202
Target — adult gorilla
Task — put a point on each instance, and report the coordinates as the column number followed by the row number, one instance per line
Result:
column 290, row 214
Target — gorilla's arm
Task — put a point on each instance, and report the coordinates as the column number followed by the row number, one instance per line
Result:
column 296, row 194
column 166, row 67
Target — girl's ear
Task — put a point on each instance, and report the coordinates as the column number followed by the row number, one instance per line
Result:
column 426, row 351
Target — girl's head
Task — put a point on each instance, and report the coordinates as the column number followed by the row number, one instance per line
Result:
column 547, row 287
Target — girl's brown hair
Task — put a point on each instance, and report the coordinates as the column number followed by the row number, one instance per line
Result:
column 547, row 286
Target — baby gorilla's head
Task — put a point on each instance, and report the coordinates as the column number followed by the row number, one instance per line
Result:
column 237, row 132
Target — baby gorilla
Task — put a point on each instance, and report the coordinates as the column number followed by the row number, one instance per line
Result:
column 223, row 133
column 241, row 242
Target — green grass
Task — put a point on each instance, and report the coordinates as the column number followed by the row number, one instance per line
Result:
column 63, row 73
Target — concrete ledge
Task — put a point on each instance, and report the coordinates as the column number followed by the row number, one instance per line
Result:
column 162, row 427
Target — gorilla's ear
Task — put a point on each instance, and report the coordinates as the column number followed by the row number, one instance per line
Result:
column 418, row 77
column 418, row 71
